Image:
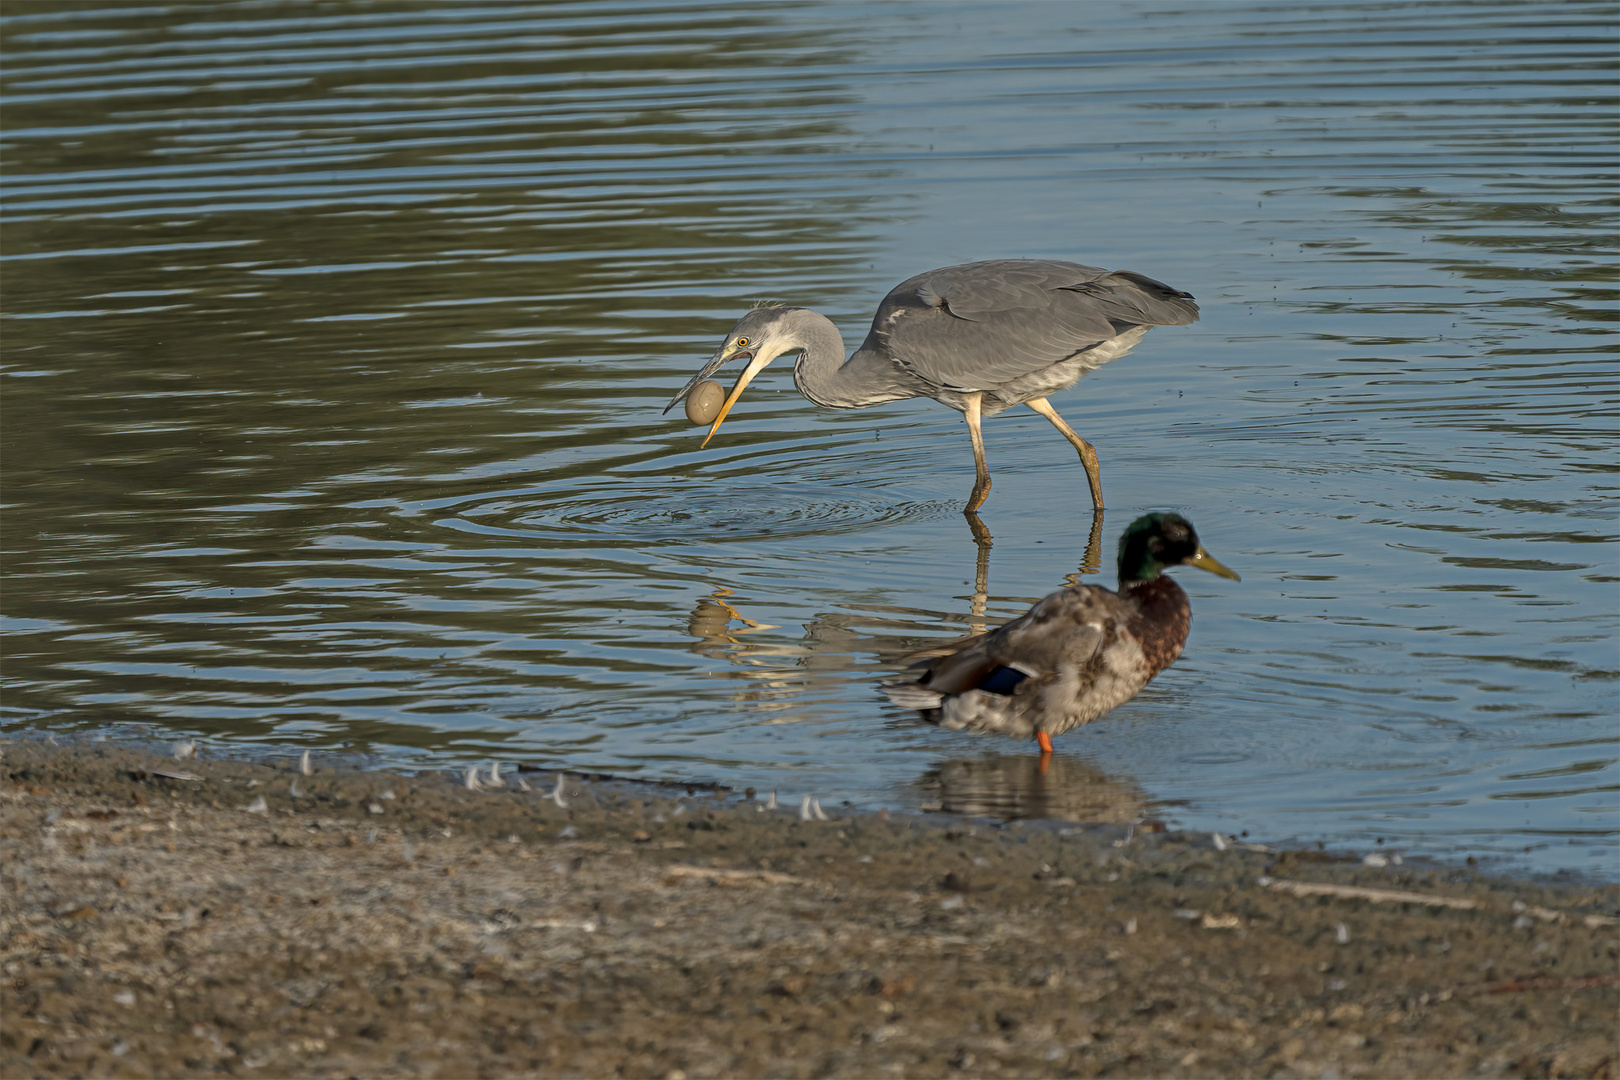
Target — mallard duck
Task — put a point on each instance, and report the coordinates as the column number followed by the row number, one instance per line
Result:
column 1079, row 653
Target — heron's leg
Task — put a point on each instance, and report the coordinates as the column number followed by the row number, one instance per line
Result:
column 981, row 468
column 1088, row 453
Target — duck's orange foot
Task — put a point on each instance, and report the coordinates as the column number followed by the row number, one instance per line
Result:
column 1045, row 742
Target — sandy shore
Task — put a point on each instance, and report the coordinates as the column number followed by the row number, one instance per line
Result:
column 242, row 919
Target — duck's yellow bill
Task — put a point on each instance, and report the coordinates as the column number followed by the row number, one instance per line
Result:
column 1205, row 561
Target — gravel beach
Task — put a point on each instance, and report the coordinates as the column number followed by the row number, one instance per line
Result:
column 203, row 917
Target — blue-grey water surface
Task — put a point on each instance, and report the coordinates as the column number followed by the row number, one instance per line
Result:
column 336, row 338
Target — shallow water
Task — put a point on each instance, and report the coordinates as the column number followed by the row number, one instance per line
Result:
column 336, row 340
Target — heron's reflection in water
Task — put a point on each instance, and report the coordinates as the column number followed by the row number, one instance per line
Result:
column 887, row 634
column 1090, row 562
column 710, row 622
column 1017, row 786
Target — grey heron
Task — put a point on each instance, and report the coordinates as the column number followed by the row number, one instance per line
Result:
column 1081, row 652
column 980, row 337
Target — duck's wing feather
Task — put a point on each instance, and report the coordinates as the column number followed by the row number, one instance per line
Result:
column 1064, row 630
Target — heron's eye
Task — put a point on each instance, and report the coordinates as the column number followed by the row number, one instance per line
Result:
column 742, row 343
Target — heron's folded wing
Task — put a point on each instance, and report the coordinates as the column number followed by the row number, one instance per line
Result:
column 981, row 325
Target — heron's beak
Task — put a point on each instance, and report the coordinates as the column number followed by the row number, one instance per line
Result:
column 756, row 364
column 727, row 351
column 1205, row 561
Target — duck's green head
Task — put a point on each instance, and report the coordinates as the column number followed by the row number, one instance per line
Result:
column 1155, row 542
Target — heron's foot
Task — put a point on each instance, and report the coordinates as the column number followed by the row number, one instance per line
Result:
column 980, row 492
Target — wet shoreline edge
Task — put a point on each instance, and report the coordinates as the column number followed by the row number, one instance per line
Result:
column 203, row 917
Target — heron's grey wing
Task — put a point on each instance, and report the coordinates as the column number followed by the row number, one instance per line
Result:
column 1065, row 628
column 981, row 325
column 976, row 290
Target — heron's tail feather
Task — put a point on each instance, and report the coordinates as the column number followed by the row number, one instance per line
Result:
column 1127, row 296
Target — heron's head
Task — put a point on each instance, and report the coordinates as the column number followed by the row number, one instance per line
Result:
column 761, row 335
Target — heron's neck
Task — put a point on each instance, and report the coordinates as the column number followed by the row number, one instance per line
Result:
column 823, row 375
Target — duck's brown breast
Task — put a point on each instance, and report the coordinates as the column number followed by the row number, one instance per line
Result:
column 1160, row 618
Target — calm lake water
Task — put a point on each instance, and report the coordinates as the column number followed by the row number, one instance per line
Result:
column 336, row 338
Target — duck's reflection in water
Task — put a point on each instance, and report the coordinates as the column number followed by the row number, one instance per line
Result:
column 1017, row 786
